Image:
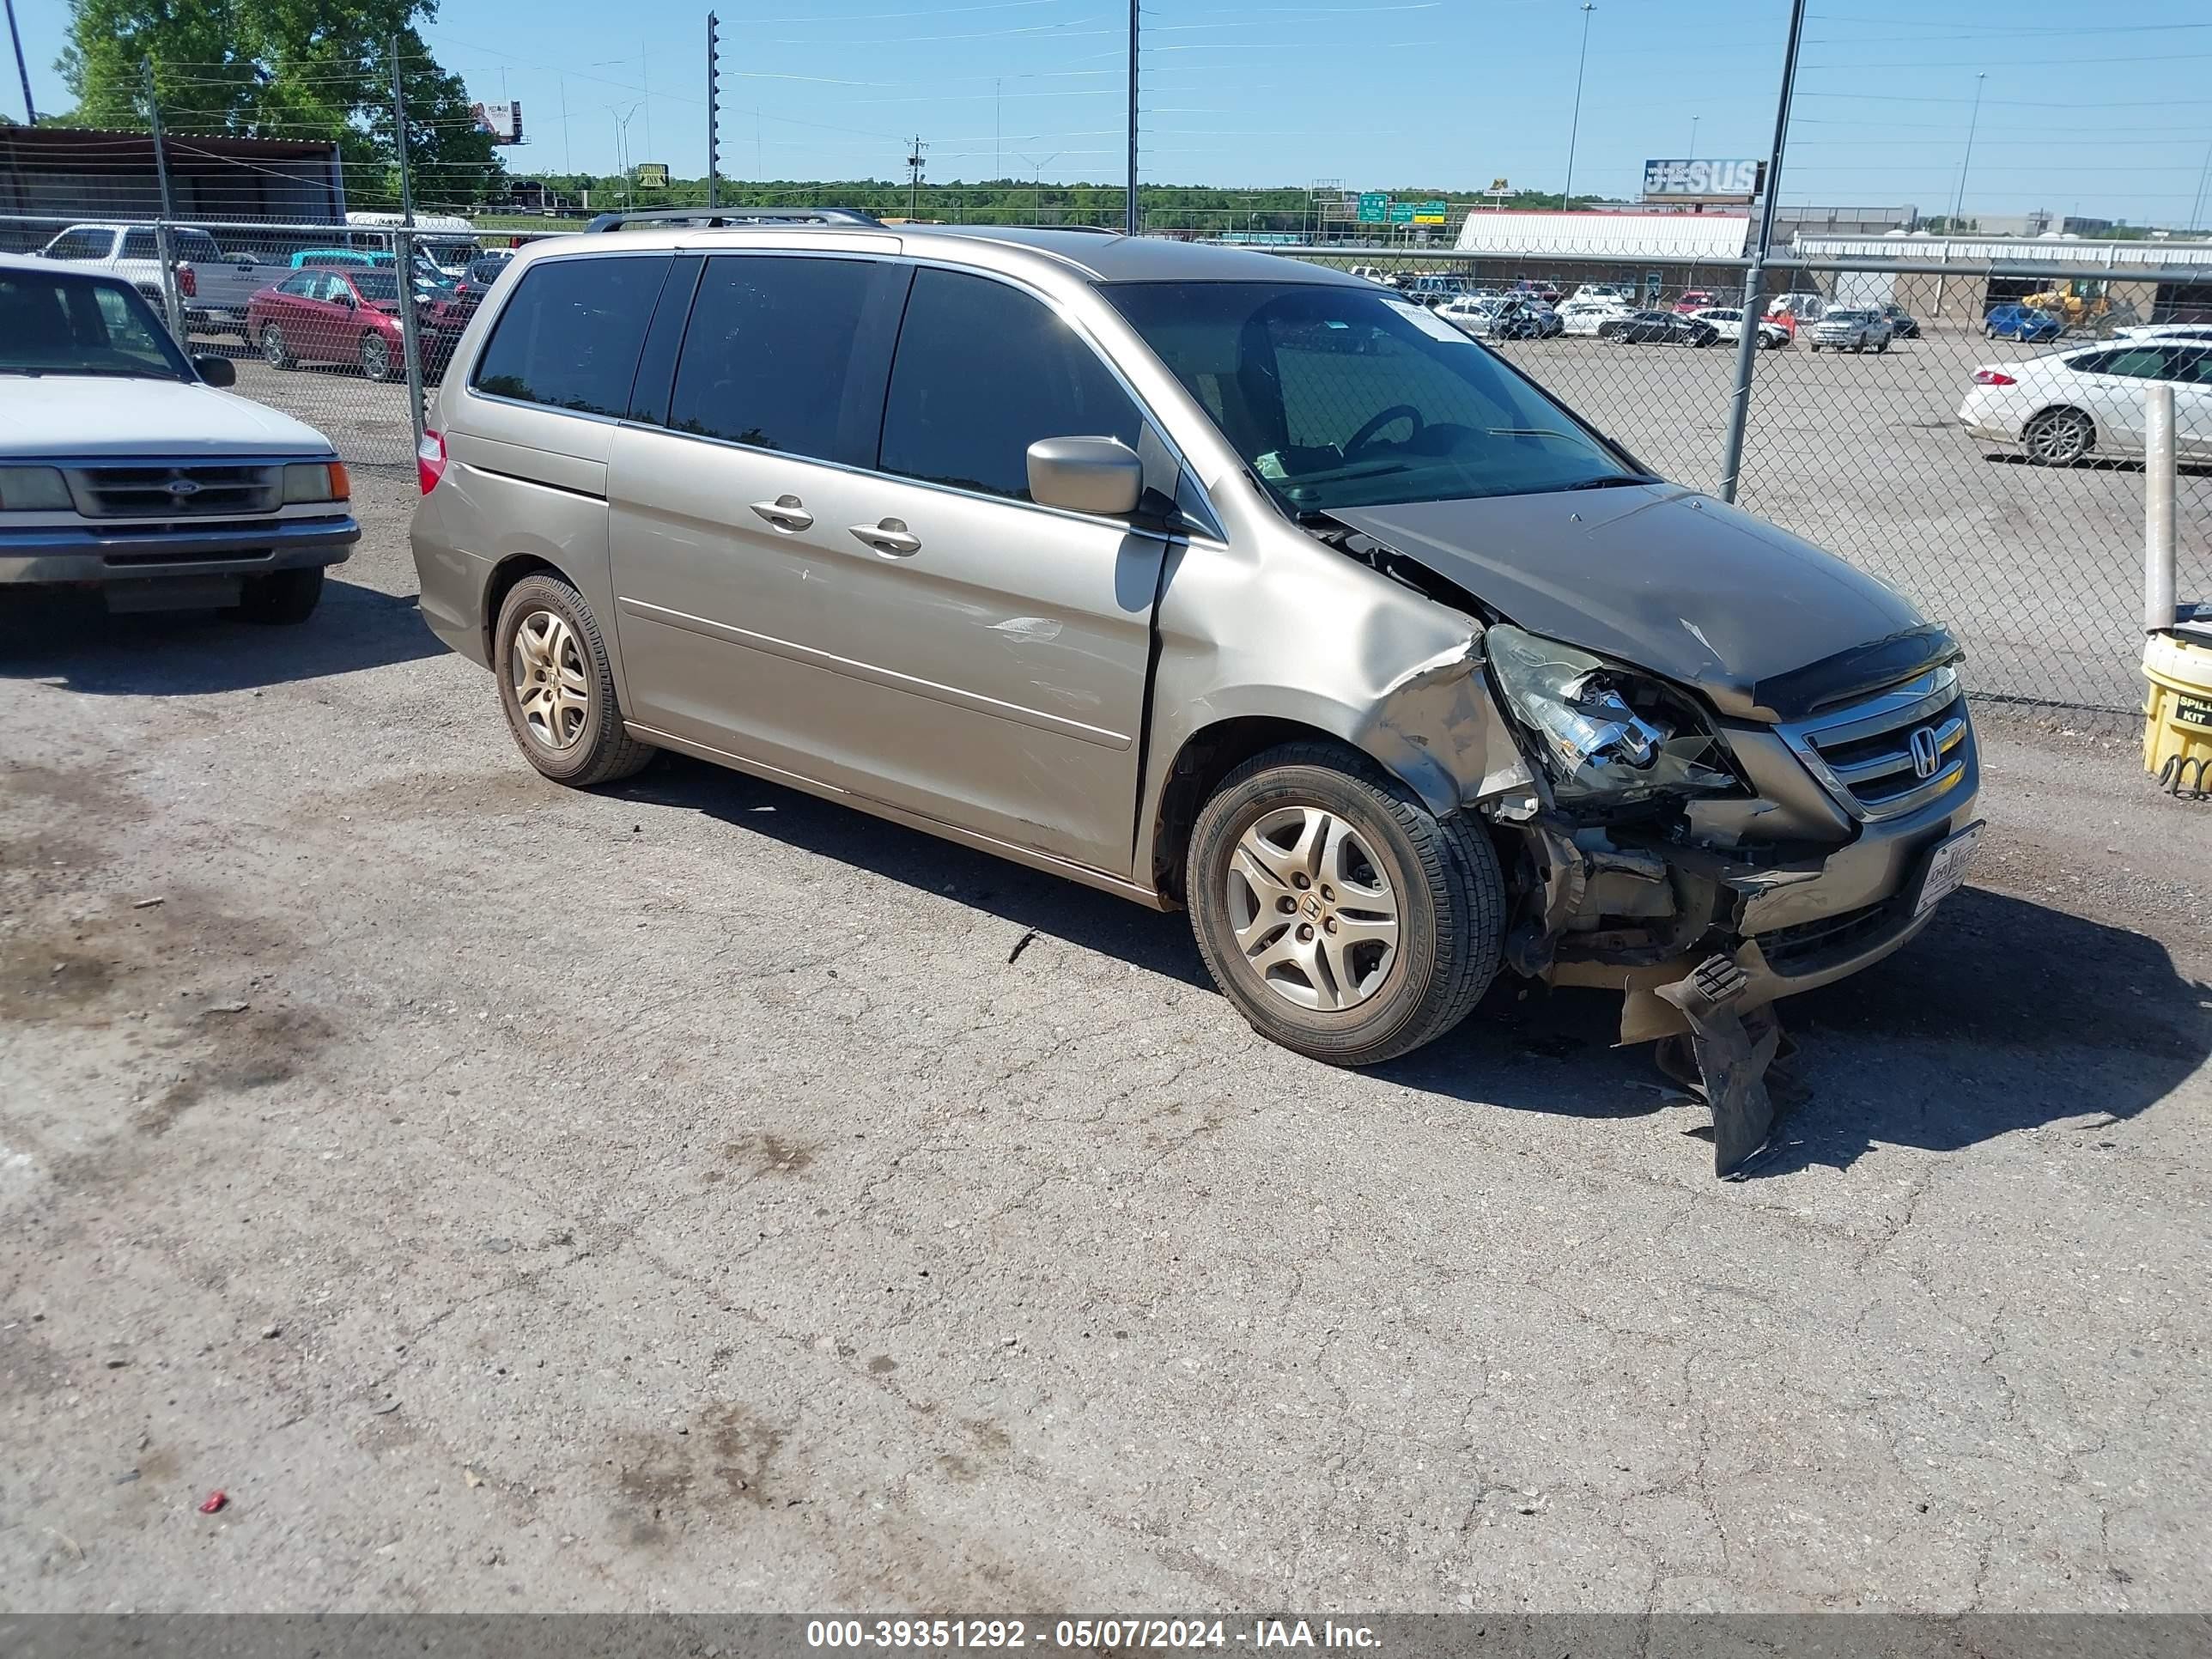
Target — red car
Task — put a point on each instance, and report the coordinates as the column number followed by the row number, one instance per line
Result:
column 1696, row 299
column 346, row 314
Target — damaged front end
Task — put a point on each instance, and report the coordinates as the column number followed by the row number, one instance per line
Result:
column 1618, row 756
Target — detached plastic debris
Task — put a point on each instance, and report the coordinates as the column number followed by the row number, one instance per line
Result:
column 1733, row 1051
column 214, row 1501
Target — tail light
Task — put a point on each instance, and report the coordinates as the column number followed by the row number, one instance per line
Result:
column 1993, row 377
column 187, row 283
column 430, row 460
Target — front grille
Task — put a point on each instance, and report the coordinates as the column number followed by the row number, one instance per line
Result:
column 1893, row 753
column 1800, row 948
column 188, row 490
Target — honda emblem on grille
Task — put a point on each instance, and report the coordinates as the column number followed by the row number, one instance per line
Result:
column 1926, row 757
column 181, row 487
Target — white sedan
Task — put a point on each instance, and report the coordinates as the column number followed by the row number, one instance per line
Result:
column 1581, row 316
column 1728, row 319
column 2070, row 404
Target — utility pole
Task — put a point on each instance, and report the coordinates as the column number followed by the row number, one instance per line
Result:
column 1134, row 225
column 411, row 335
column 30, row 110
column 163, row 247
column 1575, row 127
column 1958, row 202
column 1747, row 340
column 2203, row 177
column 713, row 112
column 913, row 177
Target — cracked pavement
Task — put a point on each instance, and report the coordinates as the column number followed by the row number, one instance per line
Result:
column 673, row 1197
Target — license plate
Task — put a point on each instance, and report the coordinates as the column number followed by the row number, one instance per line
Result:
column 1946, row 869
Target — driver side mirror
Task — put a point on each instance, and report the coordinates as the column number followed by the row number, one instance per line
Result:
column 1101, row 476
column 216, row 371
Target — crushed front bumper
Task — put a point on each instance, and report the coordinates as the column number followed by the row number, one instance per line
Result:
column 118, row 553
column 1790, row 926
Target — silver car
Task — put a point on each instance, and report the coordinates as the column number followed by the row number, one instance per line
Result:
column 1852, row 331
column 1208, row 579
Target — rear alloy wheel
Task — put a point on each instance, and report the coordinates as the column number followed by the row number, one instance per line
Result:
column 376, row 357
column 556, row 688
column 1344, row 920
column 274, row 351
column 1883, row 347
column 2058, row 437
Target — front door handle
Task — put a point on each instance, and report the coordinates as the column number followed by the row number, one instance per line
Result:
column 784, row 513
column 892, row 536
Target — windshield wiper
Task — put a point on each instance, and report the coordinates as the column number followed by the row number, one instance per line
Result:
column 1613, row 480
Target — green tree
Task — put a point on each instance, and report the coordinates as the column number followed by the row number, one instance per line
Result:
column 286, row 68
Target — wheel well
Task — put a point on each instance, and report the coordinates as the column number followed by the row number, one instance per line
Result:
column 503, row 578
column 1204, row 760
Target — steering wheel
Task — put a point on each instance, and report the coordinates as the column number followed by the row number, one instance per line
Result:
column 1365, row 436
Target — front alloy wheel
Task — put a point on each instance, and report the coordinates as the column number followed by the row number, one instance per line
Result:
column 1315, row 915
column 1344, row 919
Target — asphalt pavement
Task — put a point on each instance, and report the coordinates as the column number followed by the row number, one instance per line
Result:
column 693, row 1195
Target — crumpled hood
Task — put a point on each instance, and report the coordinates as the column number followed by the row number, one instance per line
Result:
column 1764, row 623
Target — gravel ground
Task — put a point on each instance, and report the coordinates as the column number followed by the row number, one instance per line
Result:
column 693, row 1195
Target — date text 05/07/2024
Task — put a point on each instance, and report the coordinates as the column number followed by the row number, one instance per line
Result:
column 929, row 1634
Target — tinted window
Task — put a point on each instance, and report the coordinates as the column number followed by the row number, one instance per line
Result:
column 2140, row 363
column 983, row 371
column 766, row 353
column 81, row 245
column 570, row 333
column 140, row 244
column 303, row 286
column 2192, row 368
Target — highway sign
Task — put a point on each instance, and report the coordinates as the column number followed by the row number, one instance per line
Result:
column 1401, row 213
column 1374, row 208
column 1431, row 213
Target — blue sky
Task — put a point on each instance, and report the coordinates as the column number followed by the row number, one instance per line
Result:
column 2112, row 118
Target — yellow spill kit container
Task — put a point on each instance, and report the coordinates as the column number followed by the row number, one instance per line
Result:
column 2178, row 711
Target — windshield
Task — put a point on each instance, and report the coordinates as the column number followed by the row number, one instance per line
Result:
column 56, row 324
column 1339, row 396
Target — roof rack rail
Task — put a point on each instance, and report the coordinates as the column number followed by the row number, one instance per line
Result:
column 714, row 218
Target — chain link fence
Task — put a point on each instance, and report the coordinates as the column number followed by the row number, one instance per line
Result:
column 1974, row 437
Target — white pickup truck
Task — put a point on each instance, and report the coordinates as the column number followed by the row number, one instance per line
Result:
column 124, row 467
column 213, row 285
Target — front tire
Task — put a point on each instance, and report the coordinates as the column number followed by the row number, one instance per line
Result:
column 556, row 687
column 376, row 357
column 281, row 598
column 1396, row 918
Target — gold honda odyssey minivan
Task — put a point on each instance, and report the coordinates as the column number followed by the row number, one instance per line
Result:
column 1202, row 576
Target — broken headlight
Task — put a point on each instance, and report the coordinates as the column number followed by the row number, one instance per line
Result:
column 1605, row 734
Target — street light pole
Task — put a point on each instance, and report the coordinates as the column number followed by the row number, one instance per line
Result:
column 1694, row 119
column 1958, row 202
column 1574, row 130
column 1131, row 223
column 30, row 109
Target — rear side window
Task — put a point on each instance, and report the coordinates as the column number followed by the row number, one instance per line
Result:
column 140, row 244
column 768, row 355
column 570, row 334
column 983, row 371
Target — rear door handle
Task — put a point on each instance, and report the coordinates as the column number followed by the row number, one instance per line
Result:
column 892, row 536
column 784, row 513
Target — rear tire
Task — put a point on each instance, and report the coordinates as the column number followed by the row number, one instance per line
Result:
column 376, row 357
column 556, row 688
column 2058, row 437
column 282, row 598
column 274, row 351
column 1343, row 844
